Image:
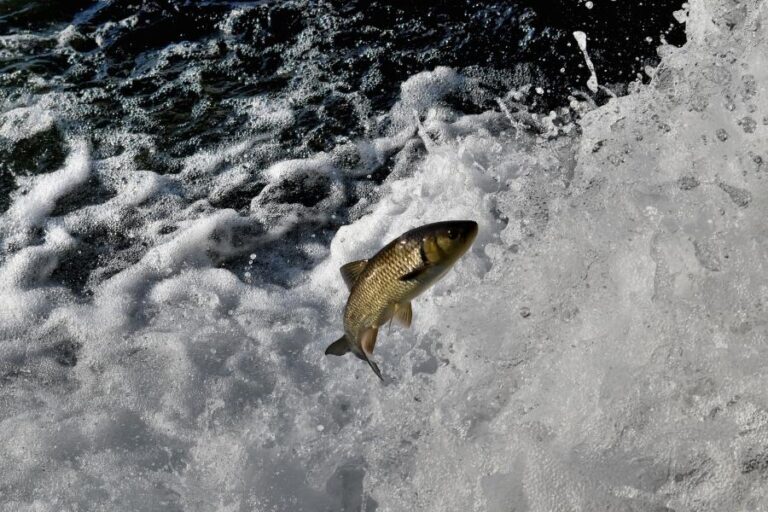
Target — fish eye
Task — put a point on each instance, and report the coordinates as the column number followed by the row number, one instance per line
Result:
column 452, row 235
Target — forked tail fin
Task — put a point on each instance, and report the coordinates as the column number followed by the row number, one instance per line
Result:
column 368, row 343
column 338, row 347
column 374, row 367
column 341, row 347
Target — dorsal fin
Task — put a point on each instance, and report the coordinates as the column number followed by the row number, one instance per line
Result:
column 404, row 313
column 351, row 271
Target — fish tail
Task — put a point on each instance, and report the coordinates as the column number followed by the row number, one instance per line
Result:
column 338, row 347
column 374, row 367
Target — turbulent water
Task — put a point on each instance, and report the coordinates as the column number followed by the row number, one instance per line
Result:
column 180, row 182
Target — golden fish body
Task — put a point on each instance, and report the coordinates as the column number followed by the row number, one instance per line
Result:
column 383, row 286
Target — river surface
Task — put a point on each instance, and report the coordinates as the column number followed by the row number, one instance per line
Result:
column 180, row 182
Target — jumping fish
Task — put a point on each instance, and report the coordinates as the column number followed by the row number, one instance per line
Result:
column 382, row 287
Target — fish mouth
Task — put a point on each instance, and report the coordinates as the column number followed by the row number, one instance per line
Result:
column 466, row 228
column 466, row 231
column 470, row 227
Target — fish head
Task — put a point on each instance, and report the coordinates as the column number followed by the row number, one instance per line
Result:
column 445, row 242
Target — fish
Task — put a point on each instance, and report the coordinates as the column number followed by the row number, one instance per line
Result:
column 382, row 287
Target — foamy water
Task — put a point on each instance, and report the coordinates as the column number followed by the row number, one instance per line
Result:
column 601, row 347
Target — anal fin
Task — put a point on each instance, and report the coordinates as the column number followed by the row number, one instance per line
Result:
column 368, row 340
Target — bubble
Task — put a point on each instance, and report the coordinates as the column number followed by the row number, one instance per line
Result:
column 748, row 124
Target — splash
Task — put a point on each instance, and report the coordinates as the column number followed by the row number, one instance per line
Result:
column 601, row 346
column 581, row 40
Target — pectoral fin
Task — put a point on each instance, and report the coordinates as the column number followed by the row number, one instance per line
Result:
column 351, row 272
column 338, row 347
column 415, row 273
column 404, row 314
column 430, row 253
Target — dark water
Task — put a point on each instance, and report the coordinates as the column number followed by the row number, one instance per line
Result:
column 340, row 62
column 164, row 81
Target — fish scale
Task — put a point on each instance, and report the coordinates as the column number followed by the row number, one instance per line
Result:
column 384, row 285
column 380, row 286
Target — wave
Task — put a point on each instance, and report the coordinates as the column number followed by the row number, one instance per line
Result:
column 601, row 346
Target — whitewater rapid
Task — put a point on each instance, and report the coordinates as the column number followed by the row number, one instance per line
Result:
column 602, row 346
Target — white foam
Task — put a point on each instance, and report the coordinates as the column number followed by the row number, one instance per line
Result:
column 600, row 347
column 423, row 91
column 31, row 209
column 25, row 296
column 22, row 122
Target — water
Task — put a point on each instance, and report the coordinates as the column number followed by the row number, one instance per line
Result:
column 181, row 181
